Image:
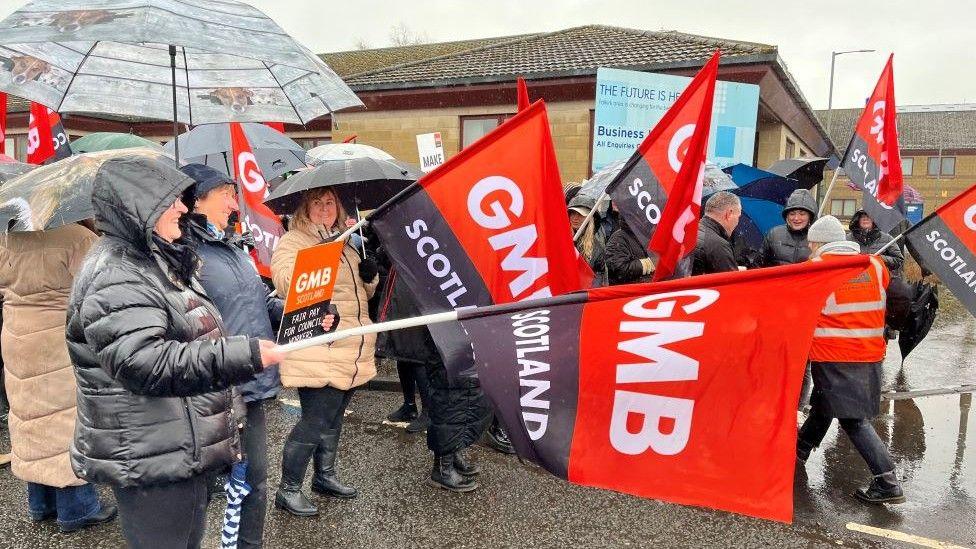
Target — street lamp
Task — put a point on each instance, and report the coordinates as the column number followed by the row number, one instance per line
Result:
column 830, row 105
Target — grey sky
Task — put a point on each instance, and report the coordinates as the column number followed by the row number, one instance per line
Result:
column 934, row 58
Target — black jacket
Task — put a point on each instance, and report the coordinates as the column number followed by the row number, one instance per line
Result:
column 623, row 257
column 151, row 367
column 875, row 239
column 409, row 344
column 713, row 253
column 784, row 246
column 228, row 275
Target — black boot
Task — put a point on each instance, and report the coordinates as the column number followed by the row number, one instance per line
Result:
column 884, row 488
column 445, row 476
column 465, row 467
column 498, row 438
column 422, row 421
column 419, row 424
column 294, row 462
column 405, row 413
column 325, row 481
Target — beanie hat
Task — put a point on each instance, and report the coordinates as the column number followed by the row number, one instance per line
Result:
column 826, row 229
column 206, row 178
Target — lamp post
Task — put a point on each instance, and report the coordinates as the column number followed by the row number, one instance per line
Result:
column 830, row 105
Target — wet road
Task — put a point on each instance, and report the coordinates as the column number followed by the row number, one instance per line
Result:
column 519, row 505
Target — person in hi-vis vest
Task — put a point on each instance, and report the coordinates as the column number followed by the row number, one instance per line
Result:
column 846, row 356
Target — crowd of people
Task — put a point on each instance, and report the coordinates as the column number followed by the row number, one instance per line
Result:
column 138, row 350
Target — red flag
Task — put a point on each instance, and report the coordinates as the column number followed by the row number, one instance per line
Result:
column 3, row 123
column 637, row 389
column 677, row 231
column 487, row 226
column 257, row 218
column 280, row 126
column 40, row 143
column 872, row 159
column 523, row 94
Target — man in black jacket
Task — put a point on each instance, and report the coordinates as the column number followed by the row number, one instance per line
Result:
column 787, row 244
column 714, row 253
column 152, row 360
column 231, row 281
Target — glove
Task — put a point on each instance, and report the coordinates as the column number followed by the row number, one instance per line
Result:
column 368, row 269
column 647, row 265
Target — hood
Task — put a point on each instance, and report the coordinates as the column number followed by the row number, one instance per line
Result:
column 855, row 226
column 130, row 193
column 801, row 199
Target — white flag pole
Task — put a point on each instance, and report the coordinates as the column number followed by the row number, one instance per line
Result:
column 827, row 194
column 890, row 243
column 589, row 216
column 435, row 318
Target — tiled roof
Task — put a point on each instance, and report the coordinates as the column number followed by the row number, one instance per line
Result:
column 574, row 51
column 348, row 63
column 932, row 127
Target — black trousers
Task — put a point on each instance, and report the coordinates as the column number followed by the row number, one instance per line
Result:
column 165, row 516
column 459, row 412
column 861, row 433
column 322, row 409
column 254, row 507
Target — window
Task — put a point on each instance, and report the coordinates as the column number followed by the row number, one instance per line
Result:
column 475, row 127
column 907, row 165
column 790, row 148
column 843, row 207
column 942, row 165
column 309, row 143
column 9, row 147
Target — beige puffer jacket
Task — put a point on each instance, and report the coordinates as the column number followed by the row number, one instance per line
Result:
column 346, row 363
column 36, row 273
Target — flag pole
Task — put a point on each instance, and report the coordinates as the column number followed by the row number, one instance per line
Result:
column 829, row 188
column 589, row 216
column 323, row 339
column 892, row 241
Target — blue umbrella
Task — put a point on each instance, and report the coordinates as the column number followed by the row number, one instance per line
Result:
column 236, row 489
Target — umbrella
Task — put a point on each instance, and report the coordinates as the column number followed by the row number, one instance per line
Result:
column 209, row 144
column 191, row 61
column 236, row 489
column 921, row 315
column 594, row 187
column 57, row 194
column 106, row 141
column 13, row 168
column 344, row 151
column 808, row 172
column 363, row 183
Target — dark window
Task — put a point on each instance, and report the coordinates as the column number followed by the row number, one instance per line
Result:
column 790, row 148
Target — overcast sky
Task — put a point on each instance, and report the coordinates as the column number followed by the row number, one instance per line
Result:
column 935, row 61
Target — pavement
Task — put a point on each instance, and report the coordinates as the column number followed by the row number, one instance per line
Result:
column 519, row 505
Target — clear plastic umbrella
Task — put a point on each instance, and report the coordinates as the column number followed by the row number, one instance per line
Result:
column 344, row 151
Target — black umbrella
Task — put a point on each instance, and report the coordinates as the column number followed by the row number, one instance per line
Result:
column 362, row 183
column 807, row 171
column 921, row 315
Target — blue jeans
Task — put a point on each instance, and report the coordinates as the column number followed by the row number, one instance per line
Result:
column 71, row 505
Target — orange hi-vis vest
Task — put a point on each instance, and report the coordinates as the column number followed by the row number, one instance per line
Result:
column 852, row 323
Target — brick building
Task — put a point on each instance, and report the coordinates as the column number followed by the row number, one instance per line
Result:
column 938, row 152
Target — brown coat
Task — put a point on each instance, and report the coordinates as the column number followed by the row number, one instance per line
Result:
column 346, row 363
column 36, row 272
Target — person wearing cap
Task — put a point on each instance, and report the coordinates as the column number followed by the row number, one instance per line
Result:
column 591, row 244
column 846, row 356
column 787, row 244
column 230, row 279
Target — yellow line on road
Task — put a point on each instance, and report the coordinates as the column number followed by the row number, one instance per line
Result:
column 901, row 536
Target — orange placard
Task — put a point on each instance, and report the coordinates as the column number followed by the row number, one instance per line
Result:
column 310, row 292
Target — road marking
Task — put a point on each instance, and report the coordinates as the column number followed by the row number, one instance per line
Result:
column 901, row 536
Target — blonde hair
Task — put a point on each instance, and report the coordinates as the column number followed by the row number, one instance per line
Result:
column 304, row 222
column 585, row 242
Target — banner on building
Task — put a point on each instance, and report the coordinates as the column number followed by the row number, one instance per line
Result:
column 630, row 103
column 488, row 226
column 310, row 293
column 256, row 218
column 872, row 160
column 632, row 388
column 431, row 150
column 945, row 243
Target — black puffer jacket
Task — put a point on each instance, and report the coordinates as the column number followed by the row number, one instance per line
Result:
column 623, row 257
column 151, row 367
column 875, row 239
column 783, row 245
column 713, row 253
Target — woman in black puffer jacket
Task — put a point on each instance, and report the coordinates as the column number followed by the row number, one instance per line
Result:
column 153, row 370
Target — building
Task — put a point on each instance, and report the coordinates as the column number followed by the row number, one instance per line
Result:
column 464, row 89
column 938, row 152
